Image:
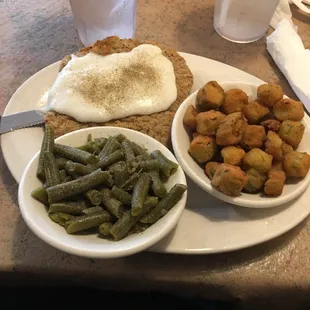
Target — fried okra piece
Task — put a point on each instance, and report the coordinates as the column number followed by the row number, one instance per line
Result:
column 269, row 94
column 232, row 155
column 291, row 132
column 255, row 111
column 203, row 148
column 277, row 165
column 210, row 168
column 231, row 129
column 286, row 148
column 296, row 164
column 288, row 109
column 234, row 101
column 275, row 183
column 189, row 119
column 229, row 179
column 210, row 97
column 208, row 122
column 256, row 180
column 271, row 124
column 195, row 134
column 273, row 145
column 253, row 137
column 258, row 159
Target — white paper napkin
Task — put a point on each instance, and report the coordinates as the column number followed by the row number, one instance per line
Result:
column 288, row 52
column 283, row 11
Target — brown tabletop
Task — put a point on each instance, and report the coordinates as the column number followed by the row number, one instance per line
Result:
column 36, row 33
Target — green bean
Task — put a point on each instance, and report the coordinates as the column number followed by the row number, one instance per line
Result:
column 89, row 137
column 142, row 162
column 75, row 154
column 166, row 166
column 62, row 219
column 90, row 147
column 101, row 142
column 104, row 228
column 68, row 178
column 140, row 193
column 108, row 184
column 120, row 137
column 127, row 221
column 62, row 175
column 121, row 195
column 150, row 202
column 61, row 161
column 84, row 147
column 120, row 229
column 158, row 187
column 164, row 205
column 83, row 184
column 117, row 166
column 92, row 210
column 128, row 151
column 121, row 175
column 79, row 169
column 110, row 159
column 111, row 146
column 119, row 172
column 142, row 157
column 47, row 146
column 113, row 205
column 138, row 150
column 139, row 228
column 70, row 207
column 87, row 221
column 131, row 182
column 94, row 197
column 94, row 147
column 51, row 170
column 40, row 194
column 149, row 165
column 70, row 169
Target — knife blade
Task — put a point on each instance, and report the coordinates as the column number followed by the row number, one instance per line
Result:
column 20, row 120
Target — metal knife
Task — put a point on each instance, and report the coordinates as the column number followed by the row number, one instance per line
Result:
column 20, row 120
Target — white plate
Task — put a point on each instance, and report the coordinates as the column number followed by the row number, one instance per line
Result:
column 90, row 245
column 181, row 142
column 207, row 225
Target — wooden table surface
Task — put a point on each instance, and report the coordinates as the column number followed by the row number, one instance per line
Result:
column 36, row 33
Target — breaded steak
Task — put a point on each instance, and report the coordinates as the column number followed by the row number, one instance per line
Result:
column 157, row 125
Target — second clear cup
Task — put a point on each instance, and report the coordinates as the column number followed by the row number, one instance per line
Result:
column 243, row 21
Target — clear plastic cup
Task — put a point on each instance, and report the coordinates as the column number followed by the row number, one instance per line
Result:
column 97, row 19
column 243, row 21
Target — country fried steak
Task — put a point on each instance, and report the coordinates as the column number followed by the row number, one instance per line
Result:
column 157, row 125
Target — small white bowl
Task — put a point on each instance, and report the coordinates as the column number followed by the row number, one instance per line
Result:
column 181, row 142
column 36, row 217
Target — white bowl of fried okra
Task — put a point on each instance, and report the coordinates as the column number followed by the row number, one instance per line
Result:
column 102, row 192
column 245, row 144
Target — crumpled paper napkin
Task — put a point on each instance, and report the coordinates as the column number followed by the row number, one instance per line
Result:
column 287, row 50
column 283, row 11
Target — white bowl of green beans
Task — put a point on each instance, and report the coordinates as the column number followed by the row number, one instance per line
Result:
column 102, row 192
